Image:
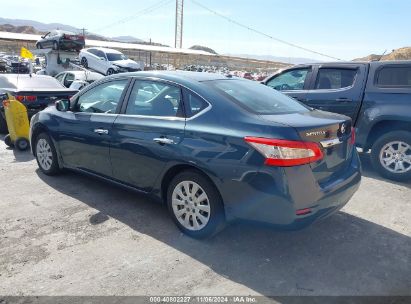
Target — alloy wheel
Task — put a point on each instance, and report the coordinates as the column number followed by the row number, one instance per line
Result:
column 44, row 154
column 191, row 205
column 395, row 157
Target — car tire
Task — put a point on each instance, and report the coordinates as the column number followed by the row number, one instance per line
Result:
column 3, row 124
column 8, row 141
column 84, row 62
column 390, row 155
column 197, row 219
column 46, row 155
column 55, row 45
column 110, row 71
column 22, row 144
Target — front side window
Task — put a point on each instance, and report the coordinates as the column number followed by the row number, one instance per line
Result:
column 151, row 98
column 289, row 81
column 332, row 79
column 256, row 98
column 103, row 98
column 393, row 76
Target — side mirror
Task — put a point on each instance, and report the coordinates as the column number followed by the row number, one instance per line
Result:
column 63, row 105
column 102, row 58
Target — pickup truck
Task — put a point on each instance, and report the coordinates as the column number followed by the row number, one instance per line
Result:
column 377, row 97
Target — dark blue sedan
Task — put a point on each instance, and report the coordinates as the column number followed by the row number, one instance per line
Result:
column 211, row 147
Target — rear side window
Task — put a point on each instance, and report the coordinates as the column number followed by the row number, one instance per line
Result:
column 394, row 76
column 255, row 97
column 150, row 98
column 332, row 79
column 194, row 104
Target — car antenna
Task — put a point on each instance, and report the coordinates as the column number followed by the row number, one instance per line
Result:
column 379, row 59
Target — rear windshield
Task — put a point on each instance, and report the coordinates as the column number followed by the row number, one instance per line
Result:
column 257, row 98
column 24, row 82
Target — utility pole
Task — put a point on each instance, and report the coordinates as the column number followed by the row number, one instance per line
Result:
column 84, row 32
column 179, row 24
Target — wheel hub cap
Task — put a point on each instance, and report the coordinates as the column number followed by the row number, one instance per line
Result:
column 44, row 155
column 191, row 205
column 396, row 157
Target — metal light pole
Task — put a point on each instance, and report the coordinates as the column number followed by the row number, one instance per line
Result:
column 179, row 24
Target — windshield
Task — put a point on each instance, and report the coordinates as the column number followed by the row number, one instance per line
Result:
column 115, row 57
column 256, row 97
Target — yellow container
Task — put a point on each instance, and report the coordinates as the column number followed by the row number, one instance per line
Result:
column 17, row 123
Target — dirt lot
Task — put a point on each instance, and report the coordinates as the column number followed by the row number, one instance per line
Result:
column 72, row 235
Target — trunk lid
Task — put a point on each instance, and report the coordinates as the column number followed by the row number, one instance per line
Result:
column 332, row 132
column 45, row 98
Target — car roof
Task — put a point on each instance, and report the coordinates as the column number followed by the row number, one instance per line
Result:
column 62, row 31
column 106, row 50
column 178, row 75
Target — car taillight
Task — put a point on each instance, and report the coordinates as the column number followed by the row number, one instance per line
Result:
column 352, row 136
column 20, row 98
column 31, row 98
column 286, row 153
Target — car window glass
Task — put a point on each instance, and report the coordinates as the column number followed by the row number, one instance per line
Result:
column 151, row 98
column 394, row 76
column 60, row 77
column 335, row 78
column 290, row 80
column 100, row 54
column 68, row 80
column 195, row 104
column 92, row 51
column 103, row 98
column 255, row 97
column 115, row 57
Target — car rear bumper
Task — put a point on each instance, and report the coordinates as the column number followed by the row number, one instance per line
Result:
column 274, row 198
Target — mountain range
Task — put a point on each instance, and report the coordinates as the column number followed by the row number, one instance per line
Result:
column 35, row 27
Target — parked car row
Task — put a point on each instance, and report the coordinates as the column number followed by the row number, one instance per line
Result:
column 13, row 64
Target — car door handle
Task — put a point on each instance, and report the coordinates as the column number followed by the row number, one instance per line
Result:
column 163, row 141
column 343, row 99
column 101, row 131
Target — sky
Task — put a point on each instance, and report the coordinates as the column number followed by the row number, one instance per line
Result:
column 344, row 29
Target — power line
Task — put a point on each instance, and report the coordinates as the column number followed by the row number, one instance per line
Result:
column 261, row 33
column 140, row 13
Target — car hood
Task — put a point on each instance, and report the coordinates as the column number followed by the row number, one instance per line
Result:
column 128, row 63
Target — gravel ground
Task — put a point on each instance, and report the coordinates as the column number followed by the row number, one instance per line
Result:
column 73, row 235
